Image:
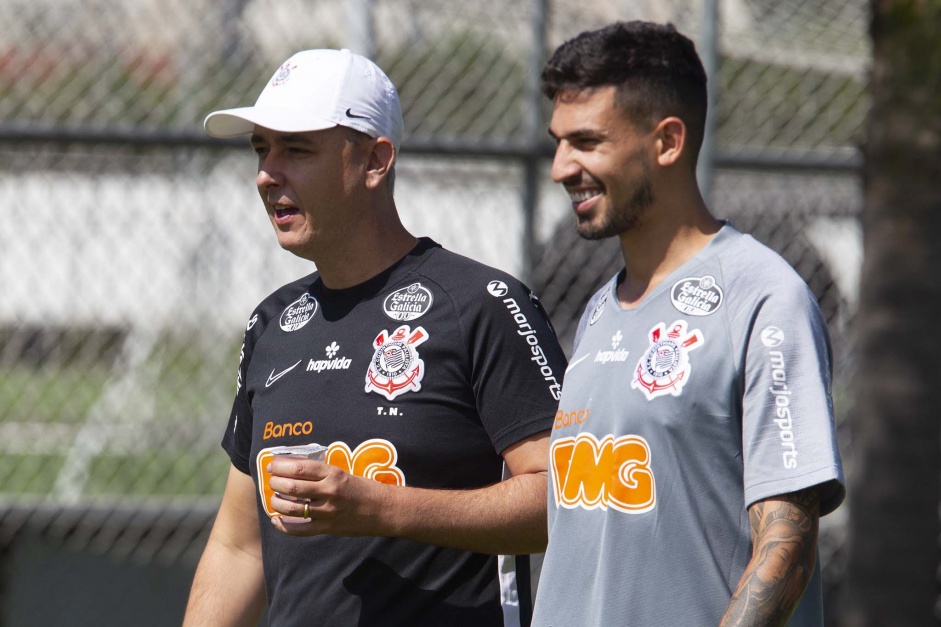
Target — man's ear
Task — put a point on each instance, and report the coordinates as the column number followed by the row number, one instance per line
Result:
column 380, row 162
column 671, row 140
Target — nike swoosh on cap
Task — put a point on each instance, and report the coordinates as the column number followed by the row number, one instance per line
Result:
column 274, row 377
column 350, row 114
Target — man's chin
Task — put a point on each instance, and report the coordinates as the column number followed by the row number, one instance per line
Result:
column 590, row 231
column 299, row 249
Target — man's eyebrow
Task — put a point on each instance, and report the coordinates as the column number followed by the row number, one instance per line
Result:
column 293, row 138
column 580, row 133
column 284, row 138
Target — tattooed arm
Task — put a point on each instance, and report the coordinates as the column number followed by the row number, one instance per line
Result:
column 784, row 539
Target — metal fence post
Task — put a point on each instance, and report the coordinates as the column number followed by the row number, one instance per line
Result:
column 709, row 52
column 361, row 37
column 532, row 124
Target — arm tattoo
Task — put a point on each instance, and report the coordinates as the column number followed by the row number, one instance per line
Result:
column 784, row 535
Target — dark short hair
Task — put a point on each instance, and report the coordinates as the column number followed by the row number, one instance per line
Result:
column 655, row 70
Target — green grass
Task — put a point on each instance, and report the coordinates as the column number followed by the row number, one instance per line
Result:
column 25, row 474
column 147, row 475
column 173, row 411
column 63, row 395
column 160, row 474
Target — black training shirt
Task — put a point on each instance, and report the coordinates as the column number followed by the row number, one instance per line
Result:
column 421, row 376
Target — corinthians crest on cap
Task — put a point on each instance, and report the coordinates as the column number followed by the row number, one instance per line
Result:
column 395, row 367
column 283, row 73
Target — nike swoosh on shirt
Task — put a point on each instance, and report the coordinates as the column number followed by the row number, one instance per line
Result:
column 274, row 377
column 577, row 361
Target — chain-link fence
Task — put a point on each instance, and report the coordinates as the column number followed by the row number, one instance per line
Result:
column 132, row 248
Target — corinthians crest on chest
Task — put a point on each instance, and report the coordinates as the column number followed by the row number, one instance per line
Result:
column 395, row 367
column 664, row 368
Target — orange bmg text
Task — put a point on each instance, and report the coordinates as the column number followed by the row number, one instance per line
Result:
column 611, row 472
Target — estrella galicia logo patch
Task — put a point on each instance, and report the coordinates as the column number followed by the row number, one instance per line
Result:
column 298, row 313
column 598, row 310
column 395, row 367
column 665, row 368
column 408, row 303
column 696, row 296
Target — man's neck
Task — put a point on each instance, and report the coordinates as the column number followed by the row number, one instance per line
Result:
column 653, row 251
column 360, row 260
column 362, row 249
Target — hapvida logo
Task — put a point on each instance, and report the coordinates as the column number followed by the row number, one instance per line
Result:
column 331, row 362
column 615, row 354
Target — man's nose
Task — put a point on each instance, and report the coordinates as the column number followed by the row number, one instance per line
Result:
column 268, row 175
column 563, row 166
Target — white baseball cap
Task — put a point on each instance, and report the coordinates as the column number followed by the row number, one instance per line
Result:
column 316, row 90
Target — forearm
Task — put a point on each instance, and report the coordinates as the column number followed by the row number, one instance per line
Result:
column 506, row 518
column 228, row 589
column 783, row 558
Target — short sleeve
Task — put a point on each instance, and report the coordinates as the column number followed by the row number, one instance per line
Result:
column 788, row 431
column 237, row 440
column 517, row 364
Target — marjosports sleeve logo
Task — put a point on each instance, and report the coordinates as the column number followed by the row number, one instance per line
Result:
column 373, row 459
column 613, row 472
column 665, row 368
column 499, row 289
column 395, row 367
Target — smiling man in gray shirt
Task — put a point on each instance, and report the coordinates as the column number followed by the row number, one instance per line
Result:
column 694, row 448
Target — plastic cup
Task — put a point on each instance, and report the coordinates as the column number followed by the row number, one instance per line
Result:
column 265, row 457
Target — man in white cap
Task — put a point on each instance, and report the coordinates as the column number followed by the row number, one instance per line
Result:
column 427, row 377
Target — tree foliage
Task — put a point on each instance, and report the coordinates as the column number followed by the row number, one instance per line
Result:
column 895, row 486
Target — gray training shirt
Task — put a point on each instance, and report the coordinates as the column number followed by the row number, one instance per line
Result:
column 675, row 416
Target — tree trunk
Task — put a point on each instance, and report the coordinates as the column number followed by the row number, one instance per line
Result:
column 895, row 473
